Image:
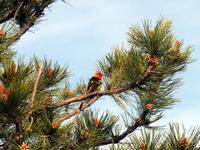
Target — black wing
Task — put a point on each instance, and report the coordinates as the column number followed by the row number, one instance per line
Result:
column 93, row 84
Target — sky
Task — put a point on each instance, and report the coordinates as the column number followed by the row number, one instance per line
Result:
column 80, row 34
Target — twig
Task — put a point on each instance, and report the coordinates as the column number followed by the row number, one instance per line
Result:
column 40, row 65
column 76, row 111
column 17, row 10
column 28, row 25
column 7, row 16
column 18, row 126
column 129, row 130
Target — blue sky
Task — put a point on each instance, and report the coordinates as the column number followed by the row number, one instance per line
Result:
column 80, row 34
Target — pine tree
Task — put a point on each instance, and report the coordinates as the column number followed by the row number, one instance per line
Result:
column 38, row 112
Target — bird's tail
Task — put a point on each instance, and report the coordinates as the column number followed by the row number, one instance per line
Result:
column 81, row 106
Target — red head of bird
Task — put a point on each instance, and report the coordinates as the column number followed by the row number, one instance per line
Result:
column 98, row 75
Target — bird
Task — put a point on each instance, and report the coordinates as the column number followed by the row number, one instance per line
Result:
column 95, row 84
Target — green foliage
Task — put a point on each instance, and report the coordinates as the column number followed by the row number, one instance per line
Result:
column 175, row 138
column 121, row 67
column 149, row 40
column 145, row 140
column 19, row 79
column 90, row 127
column 140, row 76
column 56, row 138
column 125, row 66
column 179, row 138
column 17, row 96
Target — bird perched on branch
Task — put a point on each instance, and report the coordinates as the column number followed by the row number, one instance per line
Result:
column 94, row 84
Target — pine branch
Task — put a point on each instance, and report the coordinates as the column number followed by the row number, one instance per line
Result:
column 129, row 130
column 28, row 25
column 77, row 111
column 38, row 12
column 18, row 126
column 40, row 65
column 138, row 83
column 8, row 16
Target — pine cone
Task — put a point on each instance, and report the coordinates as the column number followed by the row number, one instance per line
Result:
column 143, row 145
column 1, row 33
column 84, row 134
column 153, row 60
column 14, row 66
column 177, row 46
column 97, row 122
column 149, row 106
column 49, row 71
column 183, row 142
column 24, row 147
column 151, row 33
column 54, row 124
column 4, row 93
